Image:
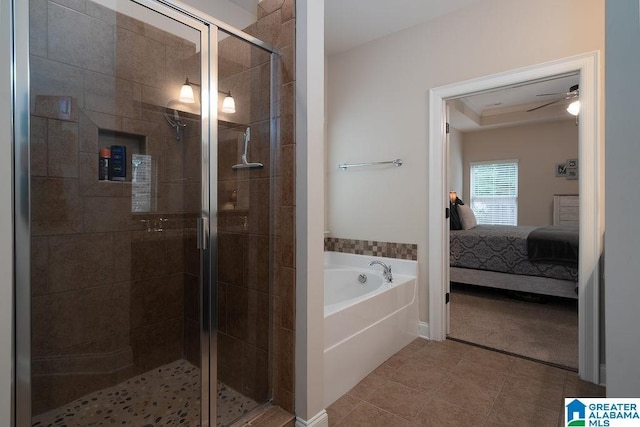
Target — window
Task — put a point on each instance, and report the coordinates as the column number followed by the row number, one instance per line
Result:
column 494, row 192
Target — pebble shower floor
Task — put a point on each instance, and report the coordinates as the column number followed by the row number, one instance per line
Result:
column 168, row 395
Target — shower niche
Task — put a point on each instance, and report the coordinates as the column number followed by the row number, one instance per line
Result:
column 135, row 146
column 128, row 161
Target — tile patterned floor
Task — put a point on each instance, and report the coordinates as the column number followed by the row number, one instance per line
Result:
column 447, row 383
column 165, row 396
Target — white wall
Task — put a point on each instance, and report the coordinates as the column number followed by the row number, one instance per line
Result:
column 456, row 170
column 622, row 241
column 378, row 97
column 6, row 227
column 537, row 147
column 310, row 141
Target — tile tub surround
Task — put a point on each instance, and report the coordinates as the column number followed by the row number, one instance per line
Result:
column 430, row 383
column 372, row 247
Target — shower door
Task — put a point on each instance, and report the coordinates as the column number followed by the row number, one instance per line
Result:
column 113, row 244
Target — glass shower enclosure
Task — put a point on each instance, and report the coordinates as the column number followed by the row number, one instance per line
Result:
column 144, row 228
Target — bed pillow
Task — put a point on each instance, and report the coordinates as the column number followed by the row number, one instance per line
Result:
column 467, row 217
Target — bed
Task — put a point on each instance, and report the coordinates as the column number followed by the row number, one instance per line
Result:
column 541, row 260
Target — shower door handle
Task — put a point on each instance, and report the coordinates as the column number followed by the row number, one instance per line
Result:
column 203, row 231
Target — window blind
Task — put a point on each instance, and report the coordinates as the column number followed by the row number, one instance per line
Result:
column 494, row 192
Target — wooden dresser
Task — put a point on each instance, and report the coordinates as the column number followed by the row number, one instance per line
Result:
column 566, row 209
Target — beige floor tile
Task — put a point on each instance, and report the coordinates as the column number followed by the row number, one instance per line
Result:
column 539, row 371
column 417, row 374
column 388, row 368
column 399, row 399
column 546, row 395
column 575, row 387
column 412, row 348
column 447, row 383
column 476, row 398
column 483, row 375
column 367, row 415
column 367, row 386
column 446, row 350
column 491, row 359
column 512, row 410
column 425, row 358
column 341, row 408
column 438, row 413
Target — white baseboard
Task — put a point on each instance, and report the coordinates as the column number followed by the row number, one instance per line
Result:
column 321, row 419
column 603, row 375
column 423, row 330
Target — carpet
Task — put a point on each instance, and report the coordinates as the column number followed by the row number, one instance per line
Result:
column 539, row 327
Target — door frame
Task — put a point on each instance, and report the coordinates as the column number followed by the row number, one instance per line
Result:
column 591, row 188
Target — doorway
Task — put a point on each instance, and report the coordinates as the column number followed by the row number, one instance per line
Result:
column 590, row 203
column 133, row 293
column 502, row 158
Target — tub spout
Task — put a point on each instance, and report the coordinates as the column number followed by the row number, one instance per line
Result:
column 388, row 277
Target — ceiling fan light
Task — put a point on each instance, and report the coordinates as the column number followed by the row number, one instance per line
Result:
column 574, row 108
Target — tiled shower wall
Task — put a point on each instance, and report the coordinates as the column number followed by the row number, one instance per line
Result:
column 110, row 288
column 127, row 298
column 250, row 311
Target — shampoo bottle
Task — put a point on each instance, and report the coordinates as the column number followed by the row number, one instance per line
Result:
column 118, row 163
column 103, row 164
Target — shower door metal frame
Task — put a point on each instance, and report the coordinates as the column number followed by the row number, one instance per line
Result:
column 210, row 225
column 20, row 112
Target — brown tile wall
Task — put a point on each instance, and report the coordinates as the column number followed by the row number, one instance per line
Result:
column 114, row 293
column 127, row 299
column 283, row 296
column 371, row 247
column 247, row 302
column 256, row 294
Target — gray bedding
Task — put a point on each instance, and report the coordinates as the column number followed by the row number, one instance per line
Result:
column 554, row 244
column 502, row 248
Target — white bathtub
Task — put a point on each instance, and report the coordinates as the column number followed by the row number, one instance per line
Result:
column 364, row 323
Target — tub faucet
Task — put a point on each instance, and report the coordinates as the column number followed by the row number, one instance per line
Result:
column 387, row 270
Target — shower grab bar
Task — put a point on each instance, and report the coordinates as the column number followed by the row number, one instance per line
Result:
column 397, row 163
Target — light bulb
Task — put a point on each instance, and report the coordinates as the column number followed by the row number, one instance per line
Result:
column 228, row 104
column 186, row 94
column 574, row 108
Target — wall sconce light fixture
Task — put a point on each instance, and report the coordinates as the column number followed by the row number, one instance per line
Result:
column 186, row 96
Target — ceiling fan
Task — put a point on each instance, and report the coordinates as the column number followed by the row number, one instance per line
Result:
column 574, row 93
